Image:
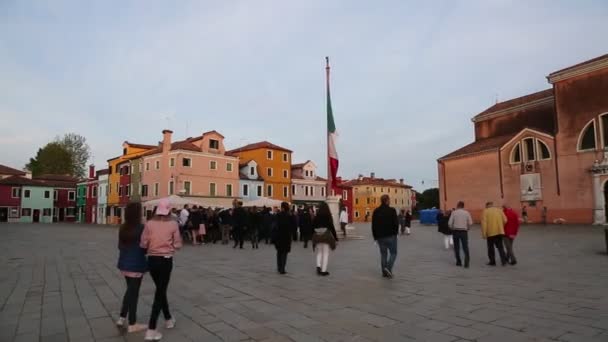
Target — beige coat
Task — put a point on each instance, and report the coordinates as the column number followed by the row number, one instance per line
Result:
column 493, row 222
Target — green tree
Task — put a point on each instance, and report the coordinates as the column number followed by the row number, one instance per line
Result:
column 428, row 199
column 53, row 158
column 78, row 148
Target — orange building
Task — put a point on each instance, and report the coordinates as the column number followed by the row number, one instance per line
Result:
column 546, row 152
column 368, row 190
column 274, row 163
column 129, row 151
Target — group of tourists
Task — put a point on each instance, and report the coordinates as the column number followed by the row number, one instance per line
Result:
column 499, row 227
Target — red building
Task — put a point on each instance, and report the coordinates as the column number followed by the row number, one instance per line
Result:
column 10, row 197
column 64, row 196
column 345, row 192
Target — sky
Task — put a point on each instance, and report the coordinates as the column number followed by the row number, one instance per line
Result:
column 406, row 77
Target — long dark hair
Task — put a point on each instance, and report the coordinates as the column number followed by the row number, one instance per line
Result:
column 128, row 231
column 323, row 214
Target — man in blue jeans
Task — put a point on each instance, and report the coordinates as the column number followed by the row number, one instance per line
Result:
column 385, row 227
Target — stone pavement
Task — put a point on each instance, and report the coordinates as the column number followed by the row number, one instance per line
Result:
column 59, row 283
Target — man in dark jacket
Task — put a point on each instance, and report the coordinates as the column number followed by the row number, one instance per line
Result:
column 385, row 227
column 239, row 222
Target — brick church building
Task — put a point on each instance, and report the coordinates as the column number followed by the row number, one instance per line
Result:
column 547, row 149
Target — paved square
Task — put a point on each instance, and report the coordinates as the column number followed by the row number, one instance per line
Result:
column 60, row 283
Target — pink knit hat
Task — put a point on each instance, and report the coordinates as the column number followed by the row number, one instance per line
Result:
column 163, row 208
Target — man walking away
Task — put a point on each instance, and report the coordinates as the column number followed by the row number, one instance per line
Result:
column 493, row 229
column 511, row 229
column 226, row 224
column 184, row 214
column 460, row 222
column 408, row 222
column 239, row 221
column 343, row 220
column 385, row 227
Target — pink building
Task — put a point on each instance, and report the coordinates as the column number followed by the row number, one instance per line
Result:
column 196, row 167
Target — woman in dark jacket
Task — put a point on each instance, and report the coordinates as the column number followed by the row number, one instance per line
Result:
column 132, row 264
column 324, row 238
column 283, row 235
column 305, row 226
column 443, row 227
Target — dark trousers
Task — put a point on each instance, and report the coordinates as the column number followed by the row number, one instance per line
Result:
column 461, row 238
column 239, row 237
column 386, row 245
column 160, row 271
column 254, row 236
column 129, row 301
column 496, row 241
column 343, row 227
column 509, row 246
column 281, row 261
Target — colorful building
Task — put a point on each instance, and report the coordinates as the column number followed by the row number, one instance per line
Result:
column 345, row 192
column 251, row 185
column 36, row 203
column 81, row 201
column 542, row 150
column 10, row 197
column 274, row 163
column 306, row 186
column 129, row 151
column 368, row 190
column 196, row 167
column 6, row 172
column 64, row 196
column 102, row 199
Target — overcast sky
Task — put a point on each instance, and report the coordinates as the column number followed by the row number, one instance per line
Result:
column 407, row 76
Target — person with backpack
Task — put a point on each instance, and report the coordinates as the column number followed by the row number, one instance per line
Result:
column 132, row 265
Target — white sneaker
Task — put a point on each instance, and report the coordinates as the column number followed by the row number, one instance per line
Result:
column 121, row 321
column 153, row 335
column 136, row 328
column 170, row 324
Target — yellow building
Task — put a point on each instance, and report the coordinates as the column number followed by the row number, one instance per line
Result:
column 368, row 190
column 274, row 166
column 129, row 151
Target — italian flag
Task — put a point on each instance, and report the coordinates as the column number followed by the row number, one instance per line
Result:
column 332, row 154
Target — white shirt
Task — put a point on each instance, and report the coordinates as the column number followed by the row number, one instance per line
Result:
column 183, row 216
column 460, row 220
column 343, row 216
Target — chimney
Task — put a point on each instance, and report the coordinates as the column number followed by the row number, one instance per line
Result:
column 400, row 180
column 372, row 175
column 167, row 140
column 91, row 171
column 28, row 174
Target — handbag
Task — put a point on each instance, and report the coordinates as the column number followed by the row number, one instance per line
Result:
column 323, row 235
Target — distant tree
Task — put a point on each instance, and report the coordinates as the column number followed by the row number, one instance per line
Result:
column 78, row 148
column 53, row 158
column 428, row 199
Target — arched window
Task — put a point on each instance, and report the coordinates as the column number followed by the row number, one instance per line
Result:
column 586, row 140
column 543, row 150
column 529, row 151
column 516, row 154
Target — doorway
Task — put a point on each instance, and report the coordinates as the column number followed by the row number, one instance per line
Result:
column 61, row 214
column 3, row 214
column 36, row 215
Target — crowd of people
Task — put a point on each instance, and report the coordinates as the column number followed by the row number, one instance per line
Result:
column 499, row 227
column 150, row 247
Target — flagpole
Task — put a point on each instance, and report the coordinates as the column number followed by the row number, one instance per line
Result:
column 329, row 180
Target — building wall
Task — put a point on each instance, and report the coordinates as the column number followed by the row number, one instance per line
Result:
column 136, row 168
column 316, row 190
column 124, row 183
column 199, row 174
column 540, row 117
column 63, row 202
column 12, row 204
column 37, row 201
column 102, row 199
column 367, row 198
column 91, row 204
column 253, row 185
column 114, row 176
column 473, row 179
column 277, row 180
column 81, row 201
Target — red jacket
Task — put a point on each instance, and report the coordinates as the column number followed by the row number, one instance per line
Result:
column 512, row 225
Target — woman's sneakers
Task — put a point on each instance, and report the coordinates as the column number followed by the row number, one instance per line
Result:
column 170, row 324
column 319, row 271
column 136, row 328
column 153, row 335
column 325, row 274
column 121, row 321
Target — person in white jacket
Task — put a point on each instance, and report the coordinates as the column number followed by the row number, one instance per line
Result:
column 343, row 220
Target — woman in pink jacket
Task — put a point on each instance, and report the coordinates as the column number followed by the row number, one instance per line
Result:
column 161, row 238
